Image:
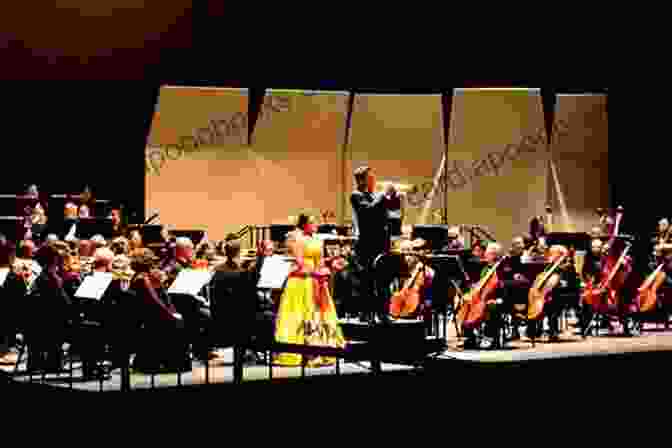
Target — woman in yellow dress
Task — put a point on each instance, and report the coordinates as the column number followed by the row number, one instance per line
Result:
column 306, row 313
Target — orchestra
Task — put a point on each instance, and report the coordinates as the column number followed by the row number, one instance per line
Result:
column 518, row 293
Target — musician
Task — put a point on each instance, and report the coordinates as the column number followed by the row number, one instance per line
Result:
column 393, row 204
column 594, row 272
column 181, row 259
column 516, row 283
column 118, row 228
column 663, row 239
column 493, row 253
column 370, row 224
column 135, row 244
column 568, row 284
column 454, row 242
column 33, row 209
column 306, row 312
column 234, row 309
column 607, row 224
column 54, row 315
column 160, row 318
column 85, row 203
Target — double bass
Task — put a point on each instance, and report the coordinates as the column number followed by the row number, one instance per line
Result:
column 472, row 305
column 541, row 289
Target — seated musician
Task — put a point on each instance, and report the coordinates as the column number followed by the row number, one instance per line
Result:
column 238, row 312
column 403, row 304
column 33, row 209
column 493, row 253
column 163, row 345
column 135, row 245
column 85, row 203
column 118, row 228
column 99, row 241
column 593, row 273
column 454, row 242
column 7, row 326
column 182, row 259
column 516, row 283
column 86, row 256
column 25, row 262
column 568, row 284
column 72, row 276
column 56, row 313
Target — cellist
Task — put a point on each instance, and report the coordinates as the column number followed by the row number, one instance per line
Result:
column 488, row 296
column 560, row 276
column 659, row 282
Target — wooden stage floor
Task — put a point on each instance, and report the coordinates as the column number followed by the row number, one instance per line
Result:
column 653, row 339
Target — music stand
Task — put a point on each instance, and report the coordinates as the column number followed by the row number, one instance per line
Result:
column 196, row 236
column 436, row 235
column 448, row 269
column 88, row 227
column 151, row 233
column 327, row 228
column 279, row 232
column 578, row 241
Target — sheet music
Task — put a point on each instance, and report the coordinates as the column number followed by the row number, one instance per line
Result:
column 3, row 275
column 94, row 286
column 190, row 282
column 274, row 272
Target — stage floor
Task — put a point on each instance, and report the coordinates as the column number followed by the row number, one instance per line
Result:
column 653, row 339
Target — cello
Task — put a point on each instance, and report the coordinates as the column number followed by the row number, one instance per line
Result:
column 647, row 293
column 610, row 285
column 541, row 289
column 405, row 302
column 473, row 304
column 612, row 279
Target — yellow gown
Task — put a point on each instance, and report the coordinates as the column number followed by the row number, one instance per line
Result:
column 306, row 313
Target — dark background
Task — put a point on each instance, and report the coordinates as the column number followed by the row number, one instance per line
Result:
column 79, row 86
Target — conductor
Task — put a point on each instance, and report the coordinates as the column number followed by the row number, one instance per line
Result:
column 371, row 227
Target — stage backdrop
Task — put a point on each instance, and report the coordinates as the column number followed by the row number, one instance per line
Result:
column 401, row 138
column 202, row 174
column 490, row 178
column 578, row 182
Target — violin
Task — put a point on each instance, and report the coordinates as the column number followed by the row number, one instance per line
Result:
column 541, row 289
column 473, row 304
column 647, row 293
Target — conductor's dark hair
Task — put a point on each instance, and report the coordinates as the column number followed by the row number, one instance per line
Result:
column 361, row 173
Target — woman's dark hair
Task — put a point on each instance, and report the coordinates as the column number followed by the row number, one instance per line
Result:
column 302, row 221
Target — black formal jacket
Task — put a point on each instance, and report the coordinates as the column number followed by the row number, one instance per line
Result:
column 370, row 215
